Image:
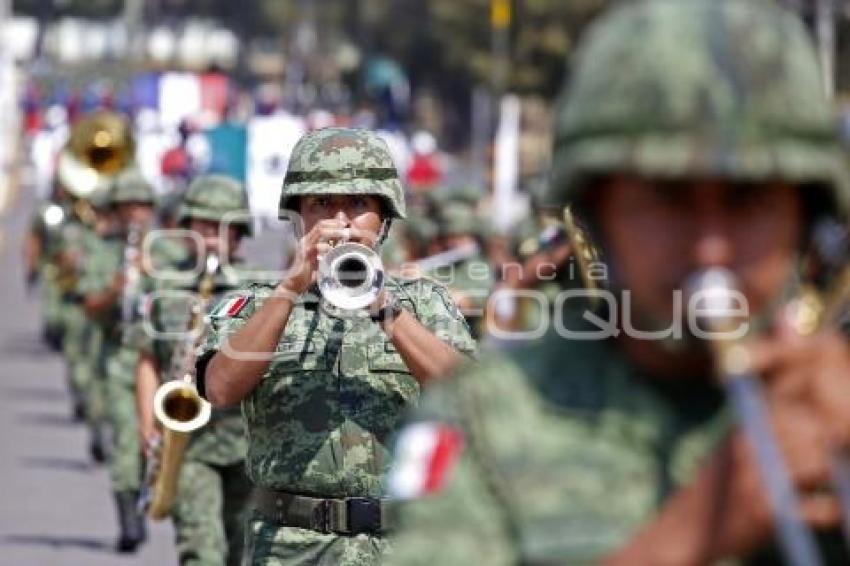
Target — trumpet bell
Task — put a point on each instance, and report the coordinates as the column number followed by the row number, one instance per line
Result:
column 178, row 407
column 351, row 276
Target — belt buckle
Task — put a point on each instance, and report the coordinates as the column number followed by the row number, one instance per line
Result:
column 364, row 515
column 322, row 521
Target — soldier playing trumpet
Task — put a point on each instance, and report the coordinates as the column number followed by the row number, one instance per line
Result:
column 323, row 387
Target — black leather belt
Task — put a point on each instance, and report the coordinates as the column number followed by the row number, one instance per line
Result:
column 345, row 516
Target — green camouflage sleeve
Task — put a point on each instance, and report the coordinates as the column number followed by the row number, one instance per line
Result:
column 437, row 311
column 95, row 278
column 448, row 515
column 135, row 336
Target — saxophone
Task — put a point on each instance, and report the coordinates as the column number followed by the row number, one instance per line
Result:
column 178, row 407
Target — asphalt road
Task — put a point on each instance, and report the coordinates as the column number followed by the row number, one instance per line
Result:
column 56, row 508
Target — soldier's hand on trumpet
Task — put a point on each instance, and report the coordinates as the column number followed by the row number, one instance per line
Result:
column 310, row 247
column 744, row 518
column 324, row 235
column 812, row 370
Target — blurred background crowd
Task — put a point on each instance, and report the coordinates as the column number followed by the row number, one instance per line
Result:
column 461, row 91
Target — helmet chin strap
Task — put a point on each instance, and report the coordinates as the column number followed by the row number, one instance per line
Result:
column 386, row 223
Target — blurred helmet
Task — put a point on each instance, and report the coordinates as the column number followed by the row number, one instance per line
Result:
column 218, row 198
column 446, row 194
column 101, row 199
column 697, row 88
column 458, row 218
column 343, row 161
column 130, row 186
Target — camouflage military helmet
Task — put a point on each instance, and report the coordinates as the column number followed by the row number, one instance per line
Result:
column 457, row 218
column 101, row 199
column 343, row 161
column 130, row 186
column 216, row 197
column 697, row 88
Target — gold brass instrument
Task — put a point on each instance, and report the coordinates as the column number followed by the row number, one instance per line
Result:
column 100, row 145
column 350, row 275
column 585, row 252
column 178, row 407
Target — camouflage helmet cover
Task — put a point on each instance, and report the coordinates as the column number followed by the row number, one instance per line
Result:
column 130, row 186
column 217, row 198
column 343, row 161
column 458, row 218
column 710, row 88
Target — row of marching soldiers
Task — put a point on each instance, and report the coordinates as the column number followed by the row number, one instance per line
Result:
column 126, row 282
column 124, row 300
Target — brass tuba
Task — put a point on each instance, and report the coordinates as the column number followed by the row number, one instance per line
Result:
column 179, row 408
column 100, row 145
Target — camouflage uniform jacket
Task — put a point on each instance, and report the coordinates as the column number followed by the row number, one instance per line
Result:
column 566, row 450
column 166, row 315
column 104, row 257
column 320, row 419
column 70, row 237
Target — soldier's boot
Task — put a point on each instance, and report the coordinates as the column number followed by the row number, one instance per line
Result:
column 52, row 336
column 78, row 402
column 78, row 405
column 97, row 444
column 131, row 522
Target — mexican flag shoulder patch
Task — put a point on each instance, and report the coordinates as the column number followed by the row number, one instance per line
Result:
column 426, row 456
column 231, row 306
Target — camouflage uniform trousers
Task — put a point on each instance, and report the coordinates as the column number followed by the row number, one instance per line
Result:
column 270, row 544
column 209, row 513
column 125, row 465
column 78, row 366
column 96, row 385
column 51, row 302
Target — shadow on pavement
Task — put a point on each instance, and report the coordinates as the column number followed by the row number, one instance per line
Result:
column 72, row 464
column 24, row 346
column 47, row 419
column 34, row 393
column 60, row 542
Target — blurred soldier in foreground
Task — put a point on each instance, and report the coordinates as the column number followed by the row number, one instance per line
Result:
column 322, row 386
column 110, row 287
column 213, row 489
column 693, row 136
